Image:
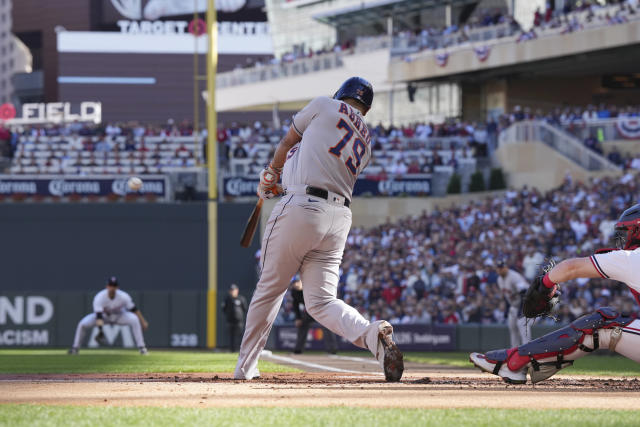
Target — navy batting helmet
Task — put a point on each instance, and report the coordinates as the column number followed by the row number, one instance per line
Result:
column 628, row 228
column 358, row 89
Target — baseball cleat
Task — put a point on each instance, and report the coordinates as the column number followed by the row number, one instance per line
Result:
column 144, row 351
column 498, row 368
column 393, row 359
column 72, row 350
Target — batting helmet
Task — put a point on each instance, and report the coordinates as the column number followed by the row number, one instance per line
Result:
column 358, row 89
column 628, row 228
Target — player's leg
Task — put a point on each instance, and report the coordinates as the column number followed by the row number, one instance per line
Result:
column 288, row 236
column 514, row 331
column 87, row 322
column 234, row 332
column 303, row 331
column 130, row 319
column 524, row 329
column 545, row 356
column 330, row 341
column 319, row 274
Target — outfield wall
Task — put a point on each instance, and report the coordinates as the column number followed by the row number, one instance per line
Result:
column 178, row 319
column 160, row 250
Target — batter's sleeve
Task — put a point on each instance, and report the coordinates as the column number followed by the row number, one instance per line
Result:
column 301, row 121
column 623, row 266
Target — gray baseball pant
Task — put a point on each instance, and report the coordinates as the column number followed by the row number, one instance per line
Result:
column 304, row 234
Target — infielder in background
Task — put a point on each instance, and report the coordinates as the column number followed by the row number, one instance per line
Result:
column 605, row 328
column 513, row 287
column 113, row 307
column 326, row 148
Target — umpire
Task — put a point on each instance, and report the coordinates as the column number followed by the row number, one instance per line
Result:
column 304, row 321
column 234, row 308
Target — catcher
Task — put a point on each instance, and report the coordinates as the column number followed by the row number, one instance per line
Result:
column 112, row 306
column 605, row 328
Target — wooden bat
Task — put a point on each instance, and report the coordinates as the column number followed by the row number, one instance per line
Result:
column 252, row 224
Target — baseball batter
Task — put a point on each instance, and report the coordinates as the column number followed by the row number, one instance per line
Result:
column 513, row 286
column 326, row 148
column 605, row 328
column 114, row 307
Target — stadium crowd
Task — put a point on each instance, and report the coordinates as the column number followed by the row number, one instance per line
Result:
column 439, row 267
column 397, row 150
column 574, row 16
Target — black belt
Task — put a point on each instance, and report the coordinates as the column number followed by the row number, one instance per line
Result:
column 323, row 194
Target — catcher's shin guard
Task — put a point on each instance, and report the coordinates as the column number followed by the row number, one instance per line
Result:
column 558, row 349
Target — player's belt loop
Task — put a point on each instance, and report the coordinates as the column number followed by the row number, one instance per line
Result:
column 323, row 194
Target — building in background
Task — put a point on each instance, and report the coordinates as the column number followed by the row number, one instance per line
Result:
column 14, row 56
column 136, row 58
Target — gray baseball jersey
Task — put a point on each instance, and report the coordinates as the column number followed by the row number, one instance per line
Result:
column 334, row 149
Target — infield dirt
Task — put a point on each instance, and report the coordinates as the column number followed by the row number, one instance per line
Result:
column 356, row 384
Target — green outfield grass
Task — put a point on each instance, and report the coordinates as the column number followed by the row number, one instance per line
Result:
column 121, row 361
column 41, row 415
column 589, row 365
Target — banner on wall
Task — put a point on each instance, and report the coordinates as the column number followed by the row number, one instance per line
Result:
column 57, row 186
column 418, row 185
column 482, row 52
column 629, row 127
column 407, row 337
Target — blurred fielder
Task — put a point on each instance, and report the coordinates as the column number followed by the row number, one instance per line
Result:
column 326, row 148
column 513, row 287
column 112, row 306
column 605, row 328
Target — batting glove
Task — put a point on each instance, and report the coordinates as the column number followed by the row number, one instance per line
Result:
column 269, row 187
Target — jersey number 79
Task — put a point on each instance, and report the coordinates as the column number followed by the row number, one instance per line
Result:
column 358, row 147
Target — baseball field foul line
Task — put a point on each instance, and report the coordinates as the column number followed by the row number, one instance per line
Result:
column 353, row 359
column 291, row 360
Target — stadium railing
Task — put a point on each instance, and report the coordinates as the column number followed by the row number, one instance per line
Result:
column 261, row 73
column 409, row 43
column 566, row 144
column 606, row 129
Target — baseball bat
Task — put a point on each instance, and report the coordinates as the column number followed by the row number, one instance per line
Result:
column 252, row 224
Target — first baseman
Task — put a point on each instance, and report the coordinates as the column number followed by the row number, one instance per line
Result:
column 113, row 307
column 605, row 328
column 326, row 148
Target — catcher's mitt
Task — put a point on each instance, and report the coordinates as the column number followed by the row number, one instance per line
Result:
column 540, row 300
column 101, row 339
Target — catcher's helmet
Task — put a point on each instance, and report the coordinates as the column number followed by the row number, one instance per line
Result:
column 358, row 89
column 628, row 228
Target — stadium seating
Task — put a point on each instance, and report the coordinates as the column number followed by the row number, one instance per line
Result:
column 81, row 155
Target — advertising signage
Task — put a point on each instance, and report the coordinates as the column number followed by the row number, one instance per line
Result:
column 414, row 186
column 12, row 185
